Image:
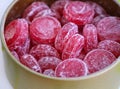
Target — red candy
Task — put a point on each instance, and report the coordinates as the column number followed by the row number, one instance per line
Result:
column 112, row 46
column 109, row 29
column 73, row 47
column 67, row 31
column 97, row 19
column 33, row 9
column 82, row 55
column 48, row 62
column 44, row 29
column 63, row 21
column 72, row 67
column 15, row 55
column 30, row 62
column 45, row 12
column 99, row 12
column 16, row 33
column 49, row 72
column 38, row 41
column 78, row 12
column 90, row 34
column 58, row 7
column 98, row 59
column 97, row 8
column 24, row 49
column 43, row 50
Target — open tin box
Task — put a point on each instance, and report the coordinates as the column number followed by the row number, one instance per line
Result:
column 22, row 78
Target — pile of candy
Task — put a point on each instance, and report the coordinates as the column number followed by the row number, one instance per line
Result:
column 67, row 39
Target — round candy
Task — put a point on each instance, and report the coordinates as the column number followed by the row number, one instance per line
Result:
column 67, row 31
column 43, row 50
column 45, row 12
column 16, row 33
column 73, row 47
column 112, row 46
column 97, row 8
column 58, row 7
column 78, row 12
column 48, row 62
column 24, row 49
column 29, row 61
column 97, row 19
column 72, row 67
column 33, row 9
column 44, row 29
column 14, row 53
column 109, row 29
column 90, row 35
column 98, row 59
column 49, row 72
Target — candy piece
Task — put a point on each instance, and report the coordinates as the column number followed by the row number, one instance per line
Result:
column 78, row 12
column 98, row 59
column 99, row 12
column 72, row 67
column 16, row 33
column 82, row 55
column 44, row 29
column 112, row 46
column 24, row 49
column 97, row 19
column 73, row 47
column 33, row 9
column 29, row 61
column 49, row 72
column 45, row 12
column 63, row 21
column 58, row 7
column 15, row 55
column 90, row 34
column 97, row 8
column 109, row 28
column 43, row 50
column 67, row 31
column 48, row 62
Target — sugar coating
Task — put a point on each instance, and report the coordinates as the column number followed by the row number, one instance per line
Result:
column 19, row 35
column 97, row 8
column 78, row 12
column 49, row 72
column 44, row 29
column 33, row 9
column 43, row 50
column 24, row 49
column 109, row 28
column 112, row 46
column 66, row 32
column 98, row 59
column 15, row 55
column 29, row 61
column 58, row 7
column 72, row 67
column 48, row 62
column 73, row 47
column 91, row 38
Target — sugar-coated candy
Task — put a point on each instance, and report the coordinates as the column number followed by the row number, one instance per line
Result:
column 72, row 67
column 98, row 59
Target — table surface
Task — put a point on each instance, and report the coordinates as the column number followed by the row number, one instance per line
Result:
column 4, row 83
